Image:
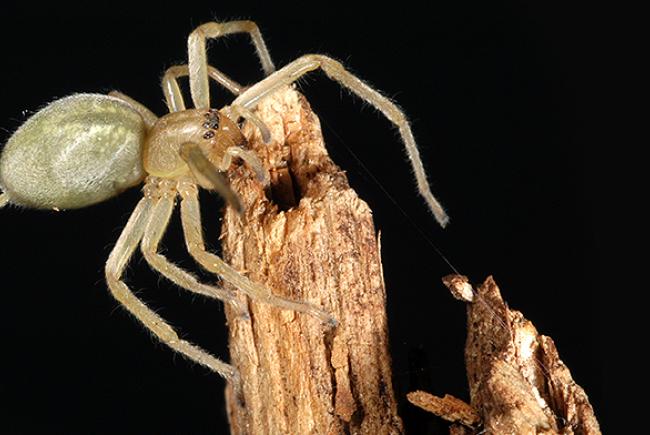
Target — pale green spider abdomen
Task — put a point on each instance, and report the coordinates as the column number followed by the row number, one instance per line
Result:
column 77, row 151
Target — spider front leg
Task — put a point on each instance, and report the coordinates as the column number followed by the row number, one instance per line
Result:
column 117, row 261
column 198, row 63
column 154, row 231
column 191, row 221
column 338, row 73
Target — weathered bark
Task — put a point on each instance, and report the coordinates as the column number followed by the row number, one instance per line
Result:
column 518, row 384
column 310, row 238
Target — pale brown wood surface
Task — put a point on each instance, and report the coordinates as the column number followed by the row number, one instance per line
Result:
column 309, row 238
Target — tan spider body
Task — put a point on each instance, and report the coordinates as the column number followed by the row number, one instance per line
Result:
column 86, row 148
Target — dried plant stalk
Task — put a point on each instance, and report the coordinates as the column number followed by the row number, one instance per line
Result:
column 298, row 376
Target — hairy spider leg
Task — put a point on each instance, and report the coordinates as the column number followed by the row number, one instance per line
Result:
column 197, row 55
column 191, row 221
column 172, row 91
column 126, row 244
column 335, row 71
column 153, row 234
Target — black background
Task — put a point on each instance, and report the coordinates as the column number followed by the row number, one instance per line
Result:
column 501, row 102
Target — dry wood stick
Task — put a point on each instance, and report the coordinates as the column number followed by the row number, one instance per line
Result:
column 312, row 239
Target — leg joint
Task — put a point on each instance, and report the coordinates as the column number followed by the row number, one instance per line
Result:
column 195, row 248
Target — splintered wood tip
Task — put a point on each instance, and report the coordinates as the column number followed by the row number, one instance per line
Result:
column 459, row 287
column 448, row 407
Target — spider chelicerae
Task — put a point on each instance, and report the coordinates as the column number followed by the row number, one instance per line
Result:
column 86, row 148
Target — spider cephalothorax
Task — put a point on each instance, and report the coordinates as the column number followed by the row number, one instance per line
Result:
column 196, row 141
column 210, row 130
column 86, row 148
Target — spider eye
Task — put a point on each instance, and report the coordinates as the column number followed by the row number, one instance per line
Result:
column 211, row 120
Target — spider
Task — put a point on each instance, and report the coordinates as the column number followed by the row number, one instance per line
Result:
column 86, row 148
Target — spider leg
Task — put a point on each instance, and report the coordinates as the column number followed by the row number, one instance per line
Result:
column 117, row 261
column 153, row 233
column 198, row 63
column 191, row 220
column 335, row 71
column 172, row 91
column 4, row 199
column 147, row 115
